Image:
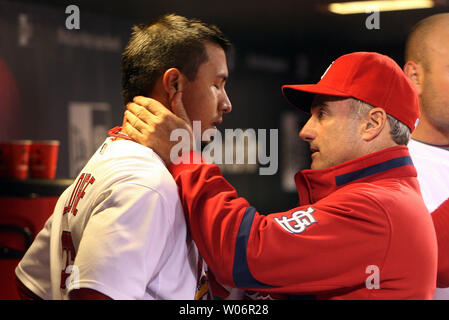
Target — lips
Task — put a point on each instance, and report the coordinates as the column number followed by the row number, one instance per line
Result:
column 313, row 150
column 218, row 122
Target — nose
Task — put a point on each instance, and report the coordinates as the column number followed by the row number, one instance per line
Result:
column 226, row 106
column 307, row 133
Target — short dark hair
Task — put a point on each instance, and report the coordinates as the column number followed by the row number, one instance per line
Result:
column 171, row 41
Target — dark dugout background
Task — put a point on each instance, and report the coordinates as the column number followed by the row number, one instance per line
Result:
column 45, row 67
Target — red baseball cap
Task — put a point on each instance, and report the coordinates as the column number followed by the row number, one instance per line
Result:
column 368, row 76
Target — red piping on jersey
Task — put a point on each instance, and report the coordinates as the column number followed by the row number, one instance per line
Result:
column 116, row 133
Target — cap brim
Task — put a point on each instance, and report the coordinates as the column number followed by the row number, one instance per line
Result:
column 301, row 95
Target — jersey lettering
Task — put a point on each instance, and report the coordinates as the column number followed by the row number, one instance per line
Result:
column 68, row 249
column 68, row 255
column 78, row 192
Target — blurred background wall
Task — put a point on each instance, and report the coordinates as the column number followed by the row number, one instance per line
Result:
column 62, row 83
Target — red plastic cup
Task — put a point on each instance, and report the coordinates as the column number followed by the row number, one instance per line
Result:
column 5, row 158
column 20, row 159
column 44, row 159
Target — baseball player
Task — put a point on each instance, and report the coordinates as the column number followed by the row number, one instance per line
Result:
column 119, row 232
column 361, row 229
column 426, row 55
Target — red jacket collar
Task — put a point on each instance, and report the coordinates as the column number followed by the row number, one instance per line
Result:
column 313, row 185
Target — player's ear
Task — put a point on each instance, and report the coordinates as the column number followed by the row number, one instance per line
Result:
column 373, row 123
column 172, row 81
column 414, row 71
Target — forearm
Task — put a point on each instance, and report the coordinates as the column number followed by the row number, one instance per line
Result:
column 249, row 250
column 440, row 219
column 214, row 213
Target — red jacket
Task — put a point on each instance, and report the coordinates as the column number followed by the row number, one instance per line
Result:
column 361, row 231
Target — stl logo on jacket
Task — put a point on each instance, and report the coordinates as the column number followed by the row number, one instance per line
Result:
column 302, row 220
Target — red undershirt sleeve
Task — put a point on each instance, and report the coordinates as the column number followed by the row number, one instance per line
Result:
column 440, row 219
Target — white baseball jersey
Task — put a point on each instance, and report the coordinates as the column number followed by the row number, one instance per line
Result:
column 118, row 229
column 432, row 164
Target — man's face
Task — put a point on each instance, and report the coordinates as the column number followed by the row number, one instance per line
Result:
column 331, row 131
column 434, row 99
column 205, row 98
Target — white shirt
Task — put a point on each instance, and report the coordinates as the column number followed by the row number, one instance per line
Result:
column 123, row 222
column 432, row 164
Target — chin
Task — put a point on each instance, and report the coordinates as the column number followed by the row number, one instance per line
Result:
column 317, row 166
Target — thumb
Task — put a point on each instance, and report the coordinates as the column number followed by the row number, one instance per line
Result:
column 178, row 107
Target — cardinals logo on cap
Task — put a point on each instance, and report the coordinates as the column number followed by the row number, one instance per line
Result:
column 327, row 70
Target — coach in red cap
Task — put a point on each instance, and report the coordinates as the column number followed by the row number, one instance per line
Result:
column 360, row 85
column 361, row 229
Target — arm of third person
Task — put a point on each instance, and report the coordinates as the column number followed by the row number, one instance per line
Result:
column 440, row 219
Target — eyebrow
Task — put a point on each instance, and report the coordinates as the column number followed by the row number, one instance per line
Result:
column 319, row 103
column 223, row 76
